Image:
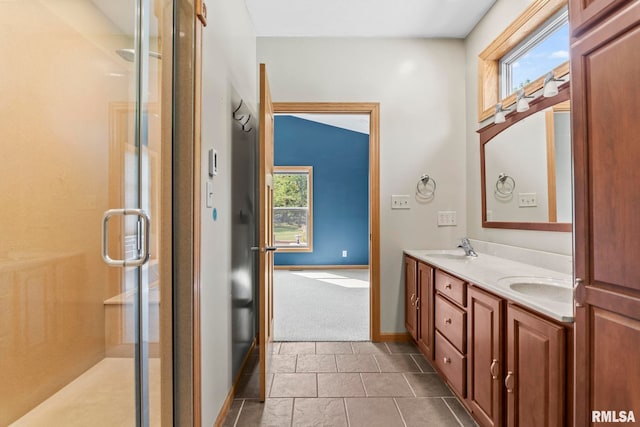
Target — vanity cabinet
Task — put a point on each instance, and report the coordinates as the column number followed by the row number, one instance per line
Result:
column 410, row 295
column 605, row 128
column 450, row 330
column 419, row 304
column 510, row 366
column 535, row 372
column 485, row 339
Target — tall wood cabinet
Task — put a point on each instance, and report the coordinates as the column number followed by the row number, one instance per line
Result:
column 419, row 303
column 605, row 79
column 410, row 295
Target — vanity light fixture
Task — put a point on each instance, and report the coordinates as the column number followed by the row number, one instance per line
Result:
column 521, row 101
column 550, row 85
column 500, row 113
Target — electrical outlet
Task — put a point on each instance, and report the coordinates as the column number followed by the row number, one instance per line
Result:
column 527, row 200
column 447, row 218
column 400, row 202
column 344, row 254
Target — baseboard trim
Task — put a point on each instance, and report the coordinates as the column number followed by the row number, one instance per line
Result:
column 232, row 391
column 321, row 267
column 393, row 337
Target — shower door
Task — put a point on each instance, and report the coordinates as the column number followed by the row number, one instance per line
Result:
column 80, row 125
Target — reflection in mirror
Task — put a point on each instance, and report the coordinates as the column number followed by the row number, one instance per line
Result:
column 527, row 169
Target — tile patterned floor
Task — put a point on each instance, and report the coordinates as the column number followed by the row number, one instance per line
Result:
column 347, row 384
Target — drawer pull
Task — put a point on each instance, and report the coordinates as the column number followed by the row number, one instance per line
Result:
column 447, row 320
column 446, row 360
column 418, row 303
column 413, row 296
column 508, row 382
column 494, row 369
column 447, row 286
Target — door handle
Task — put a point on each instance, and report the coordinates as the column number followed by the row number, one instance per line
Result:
column 143, row 234
column 267, row 249
column 508, row 382
column 493, row 369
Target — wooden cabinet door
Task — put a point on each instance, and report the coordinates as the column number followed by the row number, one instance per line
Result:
column 584, row 14
column 425, row 309
column 411, row 293
column 485, row 365
column 605, row 67
column 535, row 371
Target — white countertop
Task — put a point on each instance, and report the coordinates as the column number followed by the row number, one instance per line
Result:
column 486, row 271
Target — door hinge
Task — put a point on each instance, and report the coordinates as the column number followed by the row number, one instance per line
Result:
column 201, row 12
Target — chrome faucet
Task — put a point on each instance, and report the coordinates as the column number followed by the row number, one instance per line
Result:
column 468, row 249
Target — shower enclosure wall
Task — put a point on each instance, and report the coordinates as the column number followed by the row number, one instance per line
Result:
column 80, row 133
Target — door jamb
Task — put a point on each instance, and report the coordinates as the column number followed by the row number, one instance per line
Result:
column 373, row 110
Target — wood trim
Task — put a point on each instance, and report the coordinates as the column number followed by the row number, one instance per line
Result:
column 525, row 24
column 551, row 165
column 373, row 109
column 488, row 132
column 224, row 411
column 320, row 267
column 197, row 231
column 394, row 337
column 309, row 171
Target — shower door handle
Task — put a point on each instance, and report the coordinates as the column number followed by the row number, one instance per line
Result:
column 143, row 234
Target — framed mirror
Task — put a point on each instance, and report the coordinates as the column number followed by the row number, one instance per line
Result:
column 526, row 167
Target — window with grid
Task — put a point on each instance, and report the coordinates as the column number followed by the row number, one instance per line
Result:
column 292, row 212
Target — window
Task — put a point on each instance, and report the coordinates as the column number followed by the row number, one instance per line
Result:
column 292, row 208
column 542, row 51
column 504, row 64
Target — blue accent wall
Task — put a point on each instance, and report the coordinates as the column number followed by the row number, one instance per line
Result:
column 340, row 160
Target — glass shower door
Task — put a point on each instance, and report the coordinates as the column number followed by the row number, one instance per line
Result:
column 80, row 123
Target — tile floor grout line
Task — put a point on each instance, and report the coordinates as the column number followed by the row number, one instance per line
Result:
column 235, row 422
column 388, row 349
column 451, row 410
column 346, row 411
column 293, row 406
column 409, row 384
column 376, row 362
column 364, row 387
column 416, row 362
column 395, row 402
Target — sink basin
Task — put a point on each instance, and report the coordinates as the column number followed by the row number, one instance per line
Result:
column 540, row 287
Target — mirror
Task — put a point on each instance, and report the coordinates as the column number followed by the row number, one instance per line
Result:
column 526, row 168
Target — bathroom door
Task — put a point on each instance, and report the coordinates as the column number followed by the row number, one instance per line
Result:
column 80, row 123
column 265, row 234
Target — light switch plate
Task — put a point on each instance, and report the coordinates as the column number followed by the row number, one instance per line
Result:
column 400, row 201
column 527, row 200
column 447, row 219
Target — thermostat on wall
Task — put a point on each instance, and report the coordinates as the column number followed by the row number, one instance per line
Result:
column 213, row 162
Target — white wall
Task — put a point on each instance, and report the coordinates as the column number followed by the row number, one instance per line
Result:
column 497, row 19
column 420, row 87
column 229, row 58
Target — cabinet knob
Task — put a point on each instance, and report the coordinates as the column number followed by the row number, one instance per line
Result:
column 447, row 286
column 447, row 320
column 493, row 369
column 508, row 382
column 446, row 360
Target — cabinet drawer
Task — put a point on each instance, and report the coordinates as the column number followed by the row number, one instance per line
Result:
column 452, row 364
column 451, row 321
column 452, row 287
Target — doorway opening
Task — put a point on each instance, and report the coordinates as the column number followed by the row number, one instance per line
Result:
column 326, row 222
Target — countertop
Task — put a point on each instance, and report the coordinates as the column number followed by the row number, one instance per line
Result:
column 489, row 272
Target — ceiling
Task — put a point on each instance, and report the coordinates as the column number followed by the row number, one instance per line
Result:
column 354, row 122
column 366, row 18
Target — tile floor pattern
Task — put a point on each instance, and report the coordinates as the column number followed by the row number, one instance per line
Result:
column 346, row 384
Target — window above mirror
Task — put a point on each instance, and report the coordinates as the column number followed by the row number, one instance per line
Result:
column 542, row 51
column 534, row 44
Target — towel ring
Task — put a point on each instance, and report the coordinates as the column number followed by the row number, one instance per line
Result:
column 505, row 184
column 426, row 187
